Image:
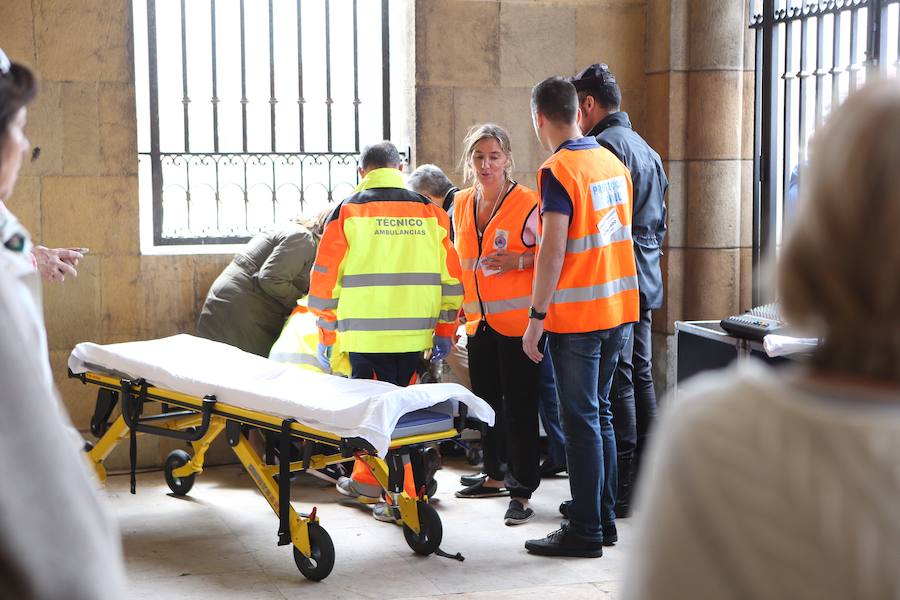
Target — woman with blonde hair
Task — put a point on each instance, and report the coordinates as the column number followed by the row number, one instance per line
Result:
column 495, row 223
column 784, row 484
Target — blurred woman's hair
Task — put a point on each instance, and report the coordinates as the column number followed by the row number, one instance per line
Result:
column 480, row 132
column 316, row 223
column 18, row 87
column 839, row 273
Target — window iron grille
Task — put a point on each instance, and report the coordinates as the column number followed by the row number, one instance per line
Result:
column 225, row 167
column 809, row 56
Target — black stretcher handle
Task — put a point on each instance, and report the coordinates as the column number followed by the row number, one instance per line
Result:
column 133, row 406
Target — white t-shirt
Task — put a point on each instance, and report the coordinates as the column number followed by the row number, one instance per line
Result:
column 764, row 485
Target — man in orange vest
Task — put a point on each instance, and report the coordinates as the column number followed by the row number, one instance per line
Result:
column 585, row 296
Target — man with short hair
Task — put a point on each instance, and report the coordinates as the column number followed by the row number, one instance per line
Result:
column 388, row 279
column 586, row 295
column 386, row 275
column 633, row 397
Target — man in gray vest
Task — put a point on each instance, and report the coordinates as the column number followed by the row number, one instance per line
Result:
column 633, row 397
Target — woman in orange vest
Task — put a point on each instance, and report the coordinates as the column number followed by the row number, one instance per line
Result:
column 495, row 224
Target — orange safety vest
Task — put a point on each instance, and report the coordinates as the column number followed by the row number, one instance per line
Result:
column 502, row 299
column 598, row 284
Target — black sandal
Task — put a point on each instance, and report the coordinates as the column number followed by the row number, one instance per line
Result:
column 480, row 490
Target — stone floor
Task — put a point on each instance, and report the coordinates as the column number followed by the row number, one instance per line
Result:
column 219, row 542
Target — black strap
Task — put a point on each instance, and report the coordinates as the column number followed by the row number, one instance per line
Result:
column 284, row 483
column 129, row 403
column 132, row 455
column 456, row 556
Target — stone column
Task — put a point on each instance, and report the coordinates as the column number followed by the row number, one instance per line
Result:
column 700, row 108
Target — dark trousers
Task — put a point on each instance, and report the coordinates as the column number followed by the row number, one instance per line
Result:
column 396, row 368
column 633, row 396
column 393, row 367
column 504, row 376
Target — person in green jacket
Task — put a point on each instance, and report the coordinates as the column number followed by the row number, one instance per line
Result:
column 249, row 301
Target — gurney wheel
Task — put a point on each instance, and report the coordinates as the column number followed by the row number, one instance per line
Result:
column 430, row 531
column 180, row 486
column 319, row 565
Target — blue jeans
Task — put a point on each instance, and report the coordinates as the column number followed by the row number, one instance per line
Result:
column 548, row 409
column 584, row 365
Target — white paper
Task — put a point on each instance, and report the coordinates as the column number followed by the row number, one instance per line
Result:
column 608, row 226
column 782, row 345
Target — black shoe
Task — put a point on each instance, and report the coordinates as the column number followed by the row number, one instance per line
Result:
column 517, row 514
column 472, row 479
column 610, row 535
column 479, row 490
column 550, row 467
column 626, row 486
column 563, row 542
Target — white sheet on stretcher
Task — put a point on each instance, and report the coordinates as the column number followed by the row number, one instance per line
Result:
column 344, row 407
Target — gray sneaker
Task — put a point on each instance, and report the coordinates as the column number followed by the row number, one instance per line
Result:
column 348, row 487
column 384, row 513
column 517, row 514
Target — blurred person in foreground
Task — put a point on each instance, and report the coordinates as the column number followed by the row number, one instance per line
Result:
column 784, row 484
column 48, row 548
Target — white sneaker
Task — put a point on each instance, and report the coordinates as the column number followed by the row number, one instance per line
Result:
column 345, row 486
column 348, row 487
column 384, row 513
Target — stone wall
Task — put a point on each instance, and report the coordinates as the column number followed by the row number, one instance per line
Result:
column 477, row 60
column 83, row 192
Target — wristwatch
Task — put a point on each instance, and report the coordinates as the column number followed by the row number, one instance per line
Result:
column 534, row 314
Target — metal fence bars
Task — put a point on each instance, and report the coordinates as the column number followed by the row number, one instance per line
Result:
column 809, row 56
column 288, row 89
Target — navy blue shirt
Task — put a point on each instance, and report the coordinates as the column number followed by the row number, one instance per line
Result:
column 554, row 197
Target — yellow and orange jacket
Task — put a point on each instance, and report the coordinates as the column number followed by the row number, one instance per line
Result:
column 386, row 275
column 501, row 299
column 298, row 341
column 598, row 284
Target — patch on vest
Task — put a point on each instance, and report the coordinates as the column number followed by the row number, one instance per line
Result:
column 400, row 226
column 609, row 192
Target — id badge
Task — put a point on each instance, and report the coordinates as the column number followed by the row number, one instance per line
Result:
column 501, row 240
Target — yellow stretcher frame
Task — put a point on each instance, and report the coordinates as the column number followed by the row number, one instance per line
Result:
column 313, row 549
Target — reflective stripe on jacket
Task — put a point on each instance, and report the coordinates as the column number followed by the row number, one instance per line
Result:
column 386, row 275
column 598, row 284
column 298, row 345
column 502, row 299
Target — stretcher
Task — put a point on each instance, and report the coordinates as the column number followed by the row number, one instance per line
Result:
column 314, row 420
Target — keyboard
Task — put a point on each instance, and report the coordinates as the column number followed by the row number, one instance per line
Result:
column 755, row 324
